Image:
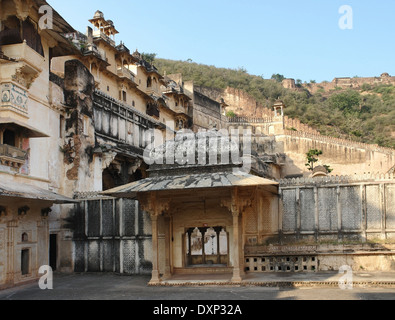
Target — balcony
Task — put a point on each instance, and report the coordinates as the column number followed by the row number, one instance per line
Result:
column 14, row 100
column 125, row 73
column 12, row 156
column 21, row 52
column 99, row 34
column 153, row 111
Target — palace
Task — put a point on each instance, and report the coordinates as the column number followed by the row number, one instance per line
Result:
column 77, row 113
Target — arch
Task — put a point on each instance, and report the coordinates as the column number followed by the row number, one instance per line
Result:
column 149, row 82
column 206, row 246
column 25, row 237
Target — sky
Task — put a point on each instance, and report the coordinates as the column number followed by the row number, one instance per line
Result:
column 304, row 39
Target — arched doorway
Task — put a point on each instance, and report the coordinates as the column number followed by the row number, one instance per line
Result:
column 207, row 246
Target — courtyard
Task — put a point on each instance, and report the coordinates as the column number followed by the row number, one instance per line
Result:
column 317, row 286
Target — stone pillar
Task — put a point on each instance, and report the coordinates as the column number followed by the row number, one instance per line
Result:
column 10, row 260
column 190, row 231
column 218, row 232
column 167, row 248
column 155, row 254
column 203, row 232
column 236, row 247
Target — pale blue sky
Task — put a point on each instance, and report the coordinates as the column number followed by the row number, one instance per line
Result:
column 299, row 39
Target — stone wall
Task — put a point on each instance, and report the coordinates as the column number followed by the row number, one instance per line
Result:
column 112, row 235
column 344, row 156
column 327, row 223
column 206, row 113
column 338, row 208
column 355, row 83
column 22, row 232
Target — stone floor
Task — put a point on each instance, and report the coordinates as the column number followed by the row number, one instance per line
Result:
column 100, row 286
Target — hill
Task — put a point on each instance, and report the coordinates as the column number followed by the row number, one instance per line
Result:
column 365, row 115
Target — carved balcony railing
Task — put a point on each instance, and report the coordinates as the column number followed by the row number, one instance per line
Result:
column 28, row 59
column 12, row 156
column 125, row 73
column 117, row 122
column 99, row 34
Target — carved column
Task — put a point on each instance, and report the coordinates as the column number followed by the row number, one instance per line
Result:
column 189, row 232
column 236, row 205
column 167, row 247
column 203, row 232
column 11, row 226
column 218, row 232
column 155, row 253
column 236, row 246
column 155, row 208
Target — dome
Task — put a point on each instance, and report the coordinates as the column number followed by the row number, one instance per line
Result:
column 320, row 171
column 98, row 15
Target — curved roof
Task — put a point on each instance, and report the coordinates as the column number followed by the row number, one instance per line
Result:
column 190, row 182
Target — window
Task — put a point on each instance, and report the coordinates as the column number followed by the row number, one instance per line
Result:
column 25, row 237
column 62, row 127
column 25, row 257
column 9, row 138
column 86, row 126
column 10, row 33
column 122, row 95
column 149, row 82
column 30, row 34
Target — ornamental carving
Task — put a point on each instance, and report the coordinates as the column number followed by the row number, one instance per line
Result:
column 25, row 79
column 154, row 206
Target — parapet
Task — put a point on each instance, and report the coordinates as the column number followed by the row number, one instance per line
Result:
column 336, row 180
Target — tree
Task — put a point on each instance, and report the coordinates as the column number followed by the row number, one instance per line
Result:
column 278, row 77
column 149, row 57
column 230, row 114
column 347, row 102
column 312, row 158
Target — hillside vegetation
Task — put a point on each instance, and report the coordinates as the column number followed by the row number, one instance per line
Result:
column 366, row 116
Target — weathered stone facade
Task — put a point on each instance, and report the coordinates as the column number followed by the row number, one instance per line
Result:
column 76, row 115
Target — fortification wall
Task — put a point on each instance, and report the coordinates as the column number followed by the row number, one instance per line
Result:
column 343, row 156
column 344, row 83
column 296, row 125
